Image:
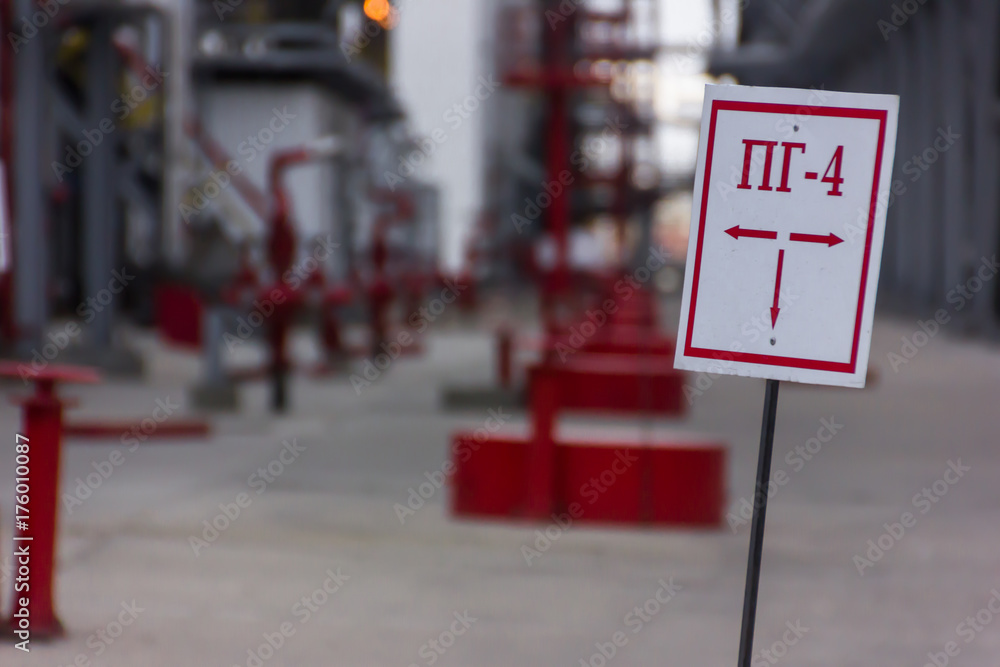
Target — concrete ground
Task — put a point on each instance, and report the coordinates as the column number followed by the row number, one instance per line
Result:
column 328, row 519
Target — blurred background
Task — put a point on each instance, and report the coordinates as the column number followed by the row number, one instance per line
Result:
column 371, row 305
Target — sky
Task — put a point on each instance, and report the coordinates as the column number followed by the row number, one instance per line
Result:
column 440, row 52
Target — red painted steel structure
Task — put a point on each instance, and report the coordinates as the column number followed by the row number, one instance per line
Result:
column 43, row 432
column 607, row 356
column 557, row 80
column 535, row 476
column 564, row 70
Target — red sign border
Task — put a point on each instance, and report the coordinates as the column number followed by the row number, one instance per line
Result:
column 880, row 115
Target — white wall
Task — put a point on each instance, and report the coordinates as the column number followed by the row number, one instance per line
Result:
column 234, row 112
column 436, row 61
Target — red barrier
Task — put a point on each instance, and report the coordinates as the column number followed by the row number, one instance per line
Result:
column 676, row 483
column 680, row 481
column 115, row 429
column 616, row 384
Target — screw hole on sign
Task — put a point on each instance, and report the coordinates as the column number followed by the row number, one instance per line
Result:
column 774, row 341
column 796, row 128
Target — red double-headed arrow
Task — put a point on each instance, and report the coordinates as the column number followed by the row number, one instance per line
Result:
column 736, row 232
column 828, row 239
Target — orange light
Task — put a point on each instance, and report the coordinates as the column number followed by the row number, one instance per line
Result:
column 381, row 11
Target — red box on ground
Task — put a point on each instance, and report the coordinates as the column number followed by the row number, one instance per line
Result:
column 671, row 480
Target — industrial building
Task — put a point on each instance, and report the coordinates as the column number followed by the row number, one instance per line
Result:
column 942, row 58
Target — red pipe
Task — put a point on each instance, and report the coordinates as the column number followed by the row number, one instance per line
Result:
column 254, row 198
column 113, row 429
column 281, row 253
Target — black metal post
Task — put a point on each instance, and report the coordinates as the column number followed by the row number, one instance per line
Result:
column 757, row 524
column 279, row 390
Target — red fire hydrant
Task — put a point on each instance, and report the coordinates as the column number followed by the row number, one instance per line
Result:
column 37, row 498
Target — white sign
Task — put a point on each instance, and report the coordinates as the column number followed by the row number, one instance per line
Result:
column 786, row 234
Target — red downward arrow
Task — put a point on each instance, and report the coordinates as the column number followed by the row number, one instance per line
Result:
column 777, row 289
column 736, row 233
column 829, row 239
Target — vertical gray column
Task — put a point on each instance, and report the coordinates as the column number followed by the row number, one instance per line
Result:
column 30, row 248
column 909, row 83
column 99, row 210
column 925, row 222
column 913, row 220
column 895, row 67
column 955, row 190
column 215, row 390
column 337, row 269
column 984, row 91
column 177, row 147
